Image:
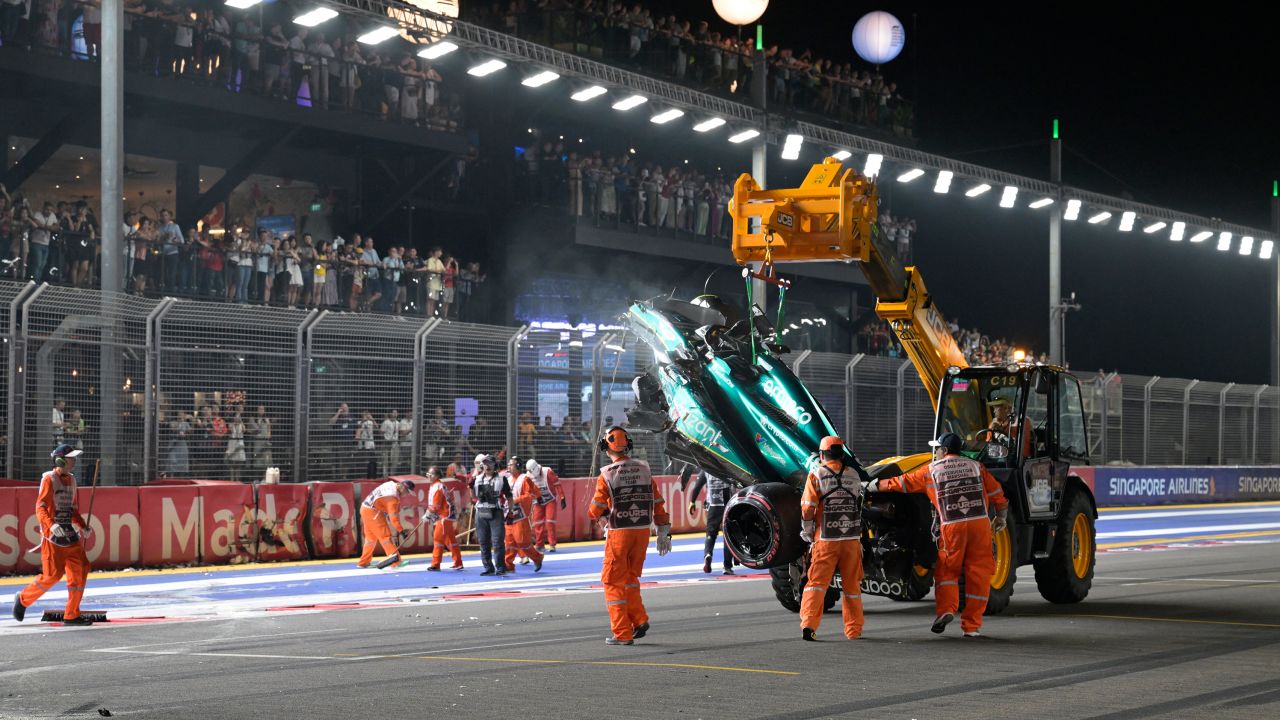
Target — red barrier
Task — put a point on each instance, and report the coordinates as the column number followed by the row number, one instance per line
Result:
column 331, row 522
column 116, row 541
column 170, row 525
column 10, row 545
column 578, row 492
column 227, row 514
column 279, row 521
column 28, row 530
column 413, row 508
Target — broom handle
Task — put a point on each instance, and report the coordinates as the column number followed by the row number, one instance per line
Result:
column 93, row 492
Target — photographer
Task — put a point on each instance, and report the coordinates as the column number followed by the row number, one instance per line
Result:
column 492, row 493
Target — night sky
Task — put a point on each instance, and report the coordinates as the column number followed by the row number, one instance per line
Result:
column 1173, row 107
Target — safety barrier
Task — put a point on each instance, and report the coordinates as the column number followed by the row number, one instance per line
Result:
column 152, row 388
column 216, row 523
column 219, row 523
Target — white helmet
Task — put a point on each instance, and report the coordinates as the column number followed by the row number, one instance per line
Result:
column 532, row 467
column 480, row 459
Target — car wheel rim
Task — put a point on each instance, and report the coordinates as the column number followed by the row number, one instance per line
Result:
column 1002, row 548
column 1080, row 546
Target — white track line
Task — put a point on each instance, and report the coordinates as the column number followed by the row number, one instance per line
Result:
column 1187, row 513
column 214, row 581
column 1175, row 531
column 224, row 639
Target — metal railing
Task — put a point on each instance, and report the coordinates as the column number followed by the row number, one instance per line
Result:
column 172, row 387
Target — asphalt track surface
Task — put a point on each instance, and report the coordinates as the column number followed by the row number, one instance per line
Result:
column 1183, row 622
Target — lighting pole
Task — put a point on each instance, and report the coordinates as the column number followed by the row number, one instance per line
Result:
column 1055, row 250
column 742, row 13
column 1060, row 317
column 1275, row 316
column 111, row 59
column 760, row 151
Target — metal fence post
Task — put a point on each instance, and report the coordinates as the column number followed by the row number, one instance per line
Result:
column 597, row 382
column 850, row 397
column 513, row 363
column 150, row 399
column 795, row 366
column 1257, row 417
column 1222, row 420
column 1106, row 405
column 302, row 395
column 1186, row 418
column 419, row 381
column 1146, row 418
column 902, row 389
column 18, row 391
column 17, row 358
column 1102, row 409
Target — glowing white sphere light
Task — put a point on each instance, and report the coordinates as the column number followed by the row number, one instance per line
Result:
column 740, row 12
column 878, row 37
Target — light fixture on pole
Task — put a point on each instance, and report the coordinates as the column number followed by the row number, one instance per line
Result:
column 1266, row 249
column 488, row 67
column 378, row 34
column 872, row 168
column 1073, row 210
column 1100, row 217
column 842, row 155
column 1009, row 196
column 1246, row 245
column 1126, row 220
column 1224, row 241
column 630, row 102
column 977, row 190
column 242, row 4
column 315, row 17
column 1178, row 231
column 708, row 124
column 1201, row 236
column 437, row 50
column 744, row 135
column 791, row 146
column 910, row 175
column 540, row 79
column 589, row 92
column 1042, row 202
column 666, row 116
column 943, row 183
column 1155, row 227
column 740, row 12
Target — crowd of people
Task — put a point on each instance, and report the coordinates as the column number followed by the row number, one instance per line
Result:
column 59, row 243
column 624, row 188
column 877, row 338
column 257, row 51
column 692, row 52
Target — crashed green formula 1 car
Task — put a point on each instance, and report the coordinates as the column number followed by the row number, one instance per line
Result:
column 729, row 405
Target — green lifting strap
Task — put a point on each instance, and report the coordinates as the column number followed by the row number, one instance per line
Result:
column 751, row 331
column 782, row 301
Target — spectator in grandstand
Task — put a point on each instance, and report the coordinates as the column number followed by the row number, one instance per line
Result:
column 468, row 280
column 390, row 442
column 366, row 446
column 41, row 227
column 392, row 271
column 178, row 456
column 434, row 269
column 146, row 253
column 372, row 265
column 449, row 282
column 435, row 436
column 264, row 256
column 235, row 454
column 260, row 428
